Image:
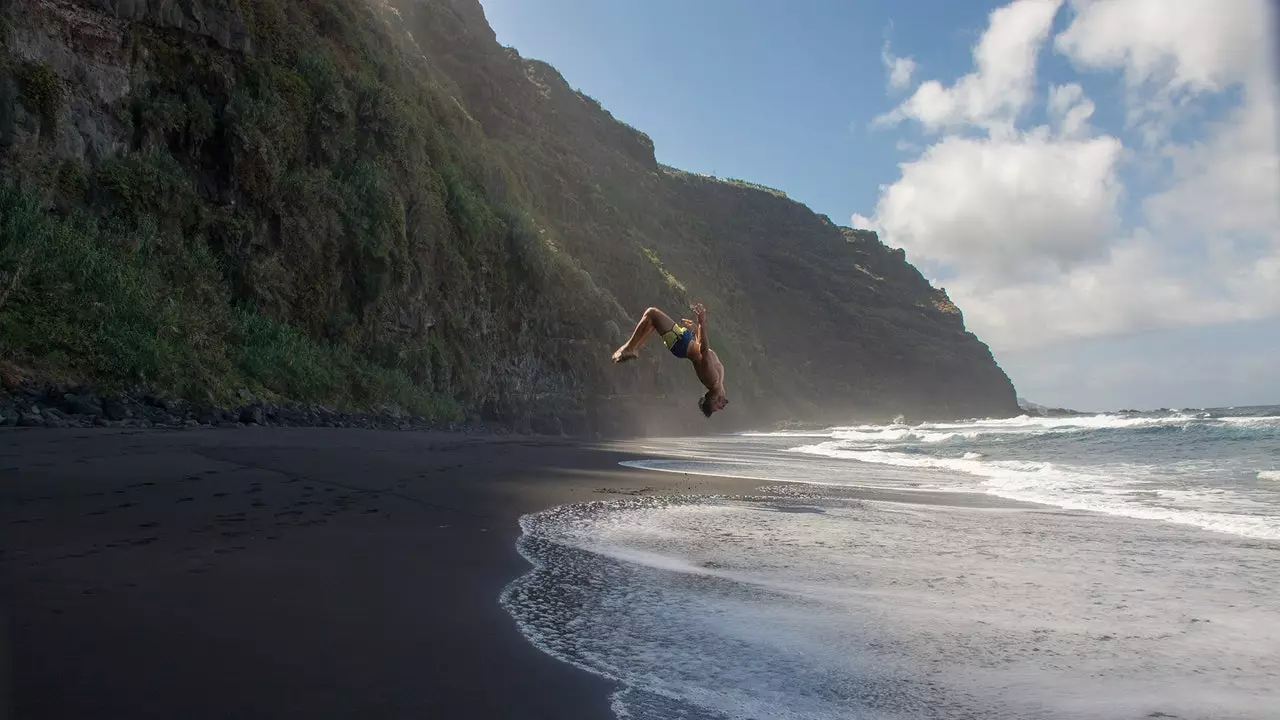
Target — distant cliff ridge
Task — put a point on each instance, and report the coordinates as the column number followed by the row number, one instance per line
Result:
column 370, row 204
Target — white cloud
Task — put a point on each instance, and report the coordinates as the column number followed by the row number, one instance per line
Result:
column 900, row 68
column 1024, row 225
column 1170, row 51
column 1196, row 367
column 1196, row 45
column 1003, row 83
column 1221, row 207
column 1070, row 110
column 1136, row 286
column 1228, row 186
column 1005, row 207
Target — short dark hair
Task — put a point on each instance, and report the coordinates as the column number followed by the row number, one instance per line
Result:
column 704, row 404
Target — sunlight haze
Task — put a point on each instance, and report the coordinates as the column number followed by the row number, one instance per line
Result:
column 1095, row 183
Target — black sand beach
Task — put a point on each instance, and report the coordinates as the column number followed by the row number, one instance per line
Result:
column 284, row 572
column 270, row 572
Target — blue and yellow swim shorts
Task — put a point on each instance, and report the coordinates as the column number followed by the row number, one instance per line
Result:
column 677, row 340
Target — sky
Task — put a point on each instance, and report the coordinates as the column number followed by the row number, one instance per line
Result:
column 1096, row 183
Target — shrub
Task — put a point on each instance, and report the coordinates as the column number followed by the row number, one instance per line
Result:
column 42, row 91
column 141, row 184
column 116, row 303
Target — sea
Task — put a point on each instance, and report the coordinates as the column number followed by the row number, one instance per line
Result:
column 1110, row 566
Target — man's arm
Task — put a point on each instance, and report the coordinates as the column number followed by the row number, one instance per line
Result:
column 700, row 312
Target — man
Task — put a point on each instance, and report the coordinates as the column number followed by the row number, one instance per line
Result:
column 683, row 343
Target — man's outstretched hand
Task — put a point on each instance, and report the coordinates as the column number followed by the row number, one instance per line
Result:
column 699, row 311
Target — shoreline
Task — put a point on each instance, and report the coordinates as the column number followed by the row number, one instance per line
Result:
column 268, row 572
column 281, row 572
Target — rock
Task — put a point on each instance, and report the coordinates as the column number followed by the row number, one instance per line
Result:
column 115, row 410
column 81, row 405
column 546, row 425
column 9, row 379
column 29, row 419
column 252, row 414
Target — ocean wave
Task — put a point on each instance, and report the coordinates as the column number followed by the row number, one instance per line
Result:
column 1269, row 474
column 1021, row 426
column 1247, row 420
column 784, row 434
column 1106, row 489
column 1025, row 425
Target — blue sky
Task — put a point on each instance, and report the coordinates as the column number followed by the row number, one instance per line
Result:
column 778, row 93
column 1094, row 193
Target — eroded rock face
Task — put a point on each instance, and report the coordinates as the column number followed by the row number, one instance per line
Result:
column 816, row 320
column 812, row 320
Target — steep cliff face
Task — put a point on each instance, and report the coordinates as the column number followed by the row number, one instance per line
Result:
column 377, row 203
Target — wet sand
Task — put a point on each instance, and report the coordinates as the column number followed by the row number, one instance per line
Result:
column 287, row 572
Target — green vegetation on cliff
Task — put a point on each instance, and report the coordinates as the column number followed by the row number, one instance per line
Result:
column 328, row 200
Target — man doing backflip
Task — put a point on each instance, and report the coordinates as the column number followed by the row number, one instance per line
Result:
column 685, row 343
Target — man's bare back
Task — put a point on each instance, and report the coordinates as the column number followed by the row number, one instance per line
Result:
column 687, row 340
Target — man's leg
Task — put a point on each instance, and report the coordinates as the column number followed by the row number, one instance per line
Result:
column 652, row 319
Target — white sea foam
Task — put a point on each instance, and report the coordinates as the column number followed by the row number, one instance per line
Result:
column 1016, row 426
column 1245, row 420
column 765, row 472
column 1021, row 425
column 822, row 609
column 1269, row 475
column 785, row 434
column 1070, row 488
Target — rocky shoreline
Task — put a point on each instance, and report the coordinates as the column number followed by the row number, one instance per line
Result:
column 73, row 406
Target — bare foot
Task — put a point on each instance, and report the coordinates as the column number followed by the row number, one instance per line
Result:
column 622, row 355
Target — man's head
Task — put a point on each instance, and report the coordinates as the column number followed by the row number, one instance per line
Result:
column 711, row 402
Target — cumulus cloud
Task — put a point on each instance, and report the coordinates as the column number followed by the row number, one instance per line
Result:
column 1003, row 81
column 1170, row 51
column 900, row 69
column 1194, row 45
column 999, row 208
column 1024, row 225
column 1070, row 109
column 1137, row 286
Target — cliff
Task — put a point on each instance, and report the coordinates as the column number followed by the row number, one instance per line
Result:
column 373, row 203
